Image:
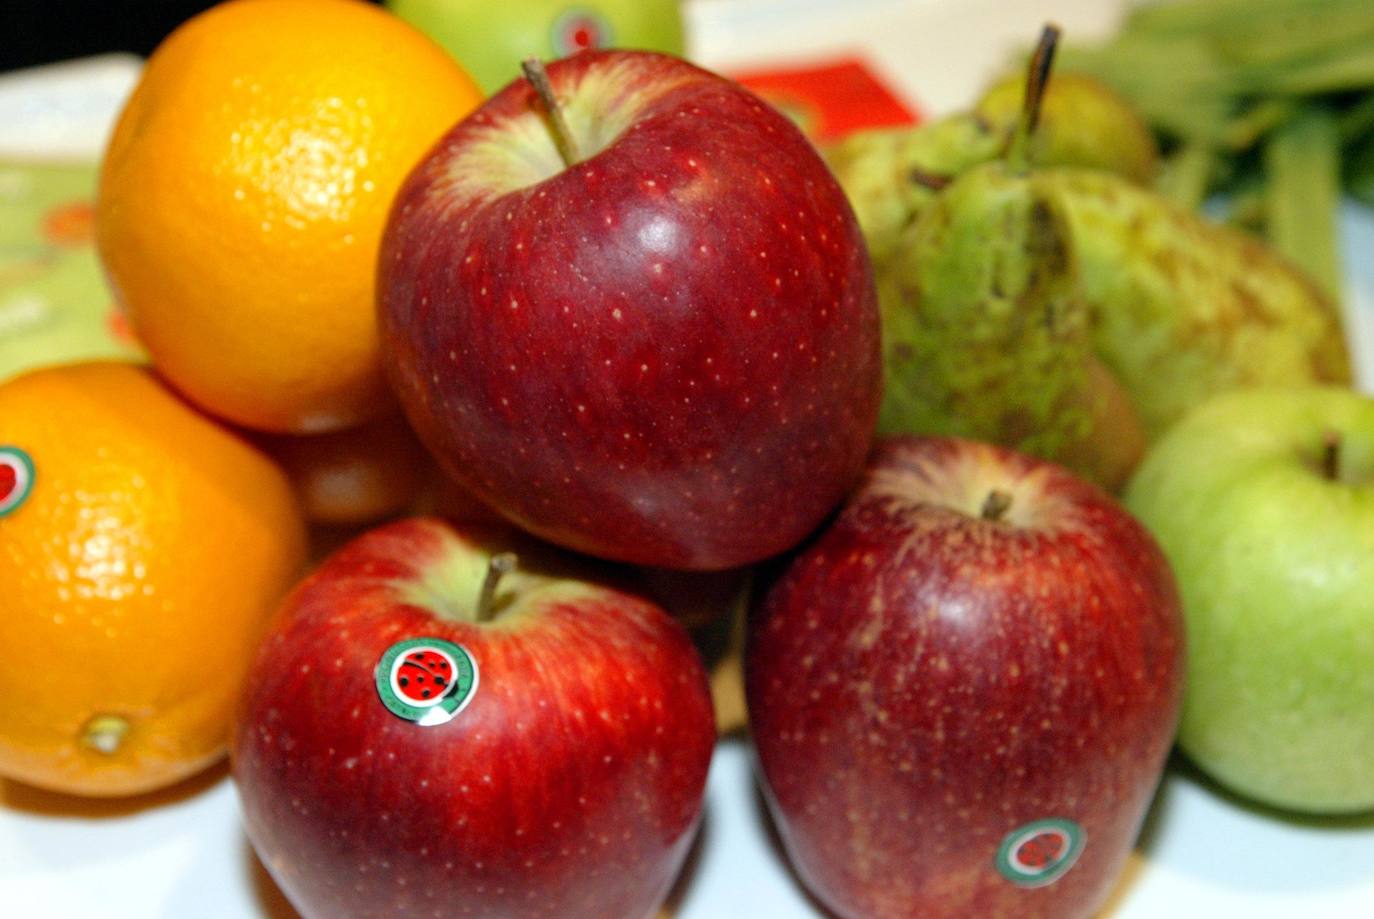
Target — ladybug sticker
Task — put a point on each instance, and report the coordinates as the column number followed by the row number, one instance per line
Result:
column 579, row 29
column 16, row 478
column 1039, row 852
column 426, row 680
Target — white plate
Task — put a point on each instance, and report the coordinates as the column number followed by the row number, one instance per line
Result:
column 1202, row 854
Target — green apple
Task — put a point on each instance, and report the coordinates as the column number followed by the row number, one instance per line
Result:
column 491, row 37
column 1263, row 501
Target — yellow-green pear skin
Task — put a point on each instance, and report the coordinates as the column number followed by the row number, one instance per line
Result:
column 984, row 336
column 890, row 175
column 1183, row 307
column 1083, row 122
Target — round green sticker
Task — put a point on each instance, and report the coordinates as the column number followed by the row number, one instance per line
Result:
column 1039, row 852
column 580, row 29
column 426, row 680
column 16, row 478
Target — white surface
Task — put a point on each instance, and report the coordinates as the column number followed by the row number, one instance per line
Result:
column 63, row 111
column 939, row 52
column 1201, row 855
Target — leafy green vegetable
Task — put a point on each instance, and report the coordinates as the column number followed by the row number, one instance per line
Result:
column 1267, row 102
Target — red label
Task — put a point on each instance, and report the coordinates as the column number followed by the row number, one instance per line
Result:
column 8, row 480
column 424, row 675
column 1040, row 851
column 830, row 99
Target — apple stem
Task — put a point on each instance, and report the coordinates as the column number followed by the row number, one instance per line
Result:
column 562, row 136
column 1037, row 79
column 996, row 504
column 498, row 565
column 1331, row 455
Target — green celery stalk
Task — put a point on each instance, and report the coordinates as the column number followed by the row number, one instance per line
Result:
column 1359, row 173
column 1187, row 175
column 1302, row 170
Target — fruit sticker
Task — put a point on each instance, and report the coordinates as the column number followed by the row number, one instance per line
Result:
column 580, row 30
column 1039, row 852
column 16, row 478
column 426, row 680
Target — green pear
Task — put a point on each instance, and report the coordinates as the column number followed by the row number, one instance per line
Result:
column 1183, row 307
column 892, row 174
column 1083, row 122
column 985, row 336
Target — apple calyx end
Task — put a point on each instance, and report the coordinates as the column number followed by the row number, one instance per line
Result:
column 563, row 139
column 497, row 565
column 995, row 505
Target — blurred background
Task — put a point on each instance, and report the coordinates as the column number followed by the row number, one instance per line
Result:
column 41, row 32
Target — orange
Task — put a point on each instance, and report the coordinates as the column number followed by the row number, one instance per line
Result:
column 243, row 196
column 356, row 476
column 142, row 549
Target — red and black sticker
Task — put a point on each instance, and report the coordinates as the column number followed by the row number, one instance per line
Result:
column 1039, row 852
column 426, row 680
column 16, row 478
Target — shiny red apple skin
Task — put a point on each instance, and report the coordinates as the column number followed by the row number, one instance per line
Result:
column 923, row 681
column 666, row 354
column 570, row 786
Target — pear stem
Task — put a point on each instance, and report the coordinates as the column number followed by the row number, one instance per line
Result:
column 562, row 137
column 996, row 504
column 497, row 566
column 1331, row 455
column 1037, row 79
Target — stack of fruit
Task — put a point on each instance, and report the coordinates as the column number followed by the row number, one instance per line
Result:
column 627, row 334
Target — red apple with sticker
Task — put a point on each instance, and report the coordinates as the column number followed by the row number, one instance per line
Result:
column 436, row 725
column 963, row 691
column 634, row 313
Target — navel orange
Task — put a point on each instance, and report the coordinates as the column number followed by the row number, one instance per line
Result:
column 142, row 549
column 243, row 196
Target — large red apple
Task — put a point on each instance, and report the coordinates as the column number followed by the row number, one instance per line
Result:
column 419, row 737
column 963, row 691
column 660, row 346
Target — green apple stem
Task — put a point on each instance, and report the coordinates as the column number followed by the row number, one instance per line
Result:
column 562, row 136
column 1037, row 79
column 498, row 565
column 996, row 504
column 1331, row 455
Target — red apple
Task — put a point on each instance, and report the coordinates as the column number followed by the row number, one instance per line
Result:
column 963, row 692
column 665, row 353
column 419, row 736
